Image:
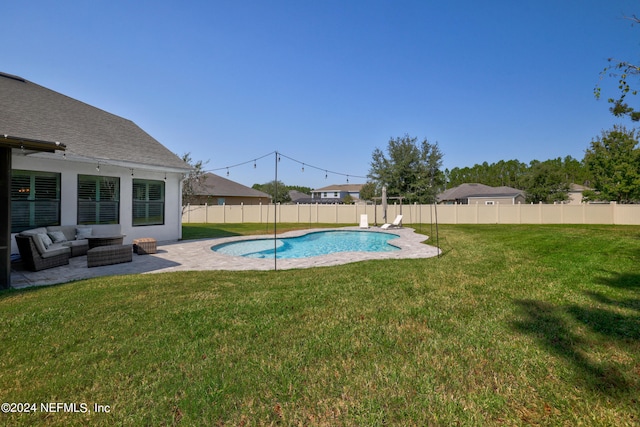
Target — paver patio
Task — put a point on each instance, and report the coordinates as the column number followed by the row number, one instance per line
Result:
column 193, row 255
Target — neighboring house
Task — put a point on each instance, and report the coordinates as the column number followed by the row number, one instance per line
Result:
column 299, row 197
column 216, row 190
column 467, row 194
column 110, row 172
column 336, row 193
column 575, row 194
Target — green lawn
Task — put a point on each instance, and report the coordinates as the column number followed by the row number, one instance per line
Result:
column 513, row 325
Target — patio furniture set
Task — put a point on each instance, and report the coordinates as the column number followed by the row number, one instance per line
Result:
column 47, row 247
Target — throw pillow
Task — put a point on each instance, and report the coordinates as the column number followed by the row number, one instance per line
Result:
column 82, row 233
column 57, row 236
column 46, row 241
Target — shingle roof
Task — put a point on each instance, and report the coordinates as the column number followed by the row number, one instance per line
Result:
column 464, row 191
column 214, row 185
column 296, row 195
column 28, row 110
column 341, row 187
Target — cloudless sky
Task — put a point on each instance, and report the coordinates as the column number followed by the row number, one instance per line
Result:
column 326, row 82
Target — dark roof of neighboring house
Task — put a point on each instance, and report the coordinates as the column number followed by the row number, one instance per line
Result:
column 217, row 186
column 465, row 191
column 28, row 110
column 340, row 187
column 296, row 195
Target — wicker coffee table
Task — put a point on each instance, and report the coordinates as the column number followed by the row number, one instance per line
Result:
column 107, row 255
column 95, row 241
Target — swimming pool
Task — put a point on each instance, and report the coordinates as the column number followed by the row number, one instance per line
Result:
column 311, row 245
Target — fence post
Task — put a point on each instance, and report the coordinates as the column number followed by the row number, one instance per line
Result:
column 540, row 212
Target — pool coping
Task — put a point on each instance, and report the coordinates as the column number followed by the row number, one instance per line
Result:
column 410, row 243
column 197, row 255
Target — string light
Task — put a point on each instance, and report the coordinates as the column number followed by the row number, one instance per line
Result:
column 304, row 166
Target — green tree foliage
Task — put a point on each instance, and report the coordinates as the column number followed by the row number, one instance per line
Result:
column 546, row 182
column 193, row 178
column 614, row 162
column 270, row 188
column 504, row 173
column 623, row 71
column 347, row 199
column 368, row 191
column 411, row 169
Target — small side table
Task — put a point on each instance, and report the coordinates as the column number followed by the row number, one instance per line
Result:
column 144, row 245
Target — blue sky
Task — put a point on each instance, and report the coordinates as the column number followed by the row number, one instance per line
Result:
column 327, row 82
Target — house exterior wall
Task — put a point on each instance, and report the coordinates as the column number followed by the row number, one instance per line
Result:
column 495, row 200
column 575, row 198
column 69, row 171
column 334, row 194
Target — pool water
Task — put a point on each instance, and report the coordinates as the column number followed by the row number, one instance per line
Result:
column 310, row 245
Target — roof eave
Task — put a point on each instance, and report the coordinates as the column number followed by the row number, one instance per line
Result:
column 31, row 144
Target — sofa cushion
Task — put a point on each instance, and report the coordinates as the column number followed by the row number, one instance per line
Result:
column 55, row 249
column 46, row 240
column 57, row 236
column 83, row 232
column 37, row 240
column 76, row 243
column 68, row 230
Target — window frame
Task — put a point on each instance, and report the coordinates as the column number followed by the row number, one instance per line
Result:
column 40, row 212
column 98, row 201
column 145, row 202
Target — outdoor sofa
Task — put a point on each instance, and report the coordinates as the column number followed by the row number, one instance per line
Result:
column 47, row 247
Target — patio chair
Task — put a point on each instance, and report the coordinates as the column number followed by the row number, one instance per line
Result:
column 34, row 260
column 364, row 221
column 397, row 223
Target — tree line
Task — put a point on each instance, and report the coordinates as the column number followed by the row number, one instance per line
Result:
column 610, row 170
